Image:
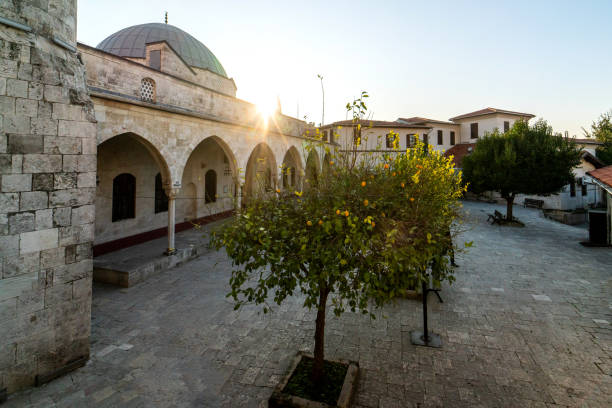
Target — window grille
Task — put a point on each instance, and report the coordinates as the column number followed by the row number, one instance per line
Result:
column 147, row 90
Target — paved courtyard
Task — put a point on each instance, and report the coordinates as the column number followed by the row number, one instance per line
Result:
column 526, row 324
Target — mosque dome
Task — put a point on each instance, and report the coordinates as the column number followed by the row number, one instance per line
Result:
column 131, row 42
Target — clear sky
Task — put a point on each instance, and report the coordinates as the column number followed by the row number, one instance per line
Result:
column 435, row 59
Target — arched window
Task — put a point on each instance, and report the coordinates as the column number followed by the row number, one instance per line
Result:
column 147, row 90
column 210, row 186
column 124, row 197
column 161, row 199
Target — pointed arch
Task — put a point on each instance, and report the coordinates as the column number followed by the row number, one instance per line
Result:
column 261, row 171
column 292, row 170
column 313, row 166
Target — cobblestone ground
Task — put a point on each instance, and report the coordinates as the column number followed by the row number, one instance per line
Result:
column 527, row 324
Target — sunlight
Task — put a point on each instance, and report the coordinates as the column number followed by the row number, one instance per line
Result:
column 266, row 107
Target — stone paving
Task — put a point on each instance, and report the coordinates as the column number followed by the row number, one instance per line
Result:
column 526, row 324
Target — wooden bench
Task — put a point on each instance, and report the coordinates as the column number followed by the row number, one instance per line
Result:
column 496, row 218
column 533, row 203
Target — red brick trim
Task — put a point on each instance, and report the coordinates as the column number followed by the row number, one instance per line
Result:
column 132, row 240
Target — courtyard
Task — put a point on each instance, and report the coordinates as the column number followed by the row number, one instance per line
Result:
column 526, row 324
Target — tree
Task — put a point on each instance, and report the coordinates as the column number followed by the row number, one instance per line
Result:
column 602, row 131
column 525, row 160
column 359, row 237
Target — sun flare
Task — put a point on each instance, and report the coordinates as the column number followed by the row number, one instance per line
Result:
column 266, row 108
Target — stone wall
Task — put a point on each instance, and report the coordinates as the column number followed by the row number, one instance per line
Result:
column 47, row 189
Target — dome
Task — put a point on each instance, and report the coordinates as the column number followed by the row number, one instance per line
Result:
column 131, row 41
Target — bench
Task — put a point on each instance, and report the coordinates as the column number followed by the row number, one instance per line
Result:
column 496, row 218
column 533, row 203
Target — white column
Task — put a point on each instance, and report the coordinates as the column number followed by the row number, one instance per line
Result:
column 171, row 193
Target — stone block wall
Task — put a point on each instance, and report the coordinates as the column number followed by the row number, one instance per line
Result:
column 47, row 191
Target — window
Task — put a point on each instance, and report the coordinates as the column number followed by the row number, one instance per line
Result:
column 506, row 126
column 161, row 199
column 452, row 141
column 325, row 135
column 425, row 139
column 155, row 59
column 440, row 137
column 227, row 171
column 584, row 186
column 573, row 188
column 124, row 197
column 210, row 186
column 390, row 138
column 147, row 90
column 410, row 140
column 357, row 135
column 474, row 131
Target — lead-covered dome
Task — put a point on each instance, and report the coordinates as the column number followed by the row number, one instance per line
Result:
column 131, row 42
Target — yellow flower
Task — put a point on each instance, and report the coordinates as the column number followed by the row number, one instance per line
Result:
column 363, row 184
column 372, row 177
column 373, row 224
column 309, row 223
column 386, row 166
column 394, row 174
column 346, row 213
column 338, row 212
column 278, row 190
column 331, row 163
column 383, row 214
column 411, row 198
column 403, row 185
column 366, row 202
column 320, row 222
column 299, row 194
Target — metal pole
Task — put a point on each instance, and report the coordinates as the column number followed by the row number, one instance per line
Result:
column 425, row 329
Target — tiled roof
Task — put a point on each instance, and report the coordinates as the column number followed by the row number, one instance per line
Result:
column 419, row 120
column 588, row 157
column 604, row 175
column 489, row 111
column 377, row 124
column 459, row 151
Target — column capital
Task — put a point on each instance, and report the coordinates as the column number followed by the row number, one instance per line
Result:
column 171, row 191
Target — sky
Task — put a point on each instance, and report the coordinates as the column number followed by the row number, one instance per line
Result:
column 435, row 59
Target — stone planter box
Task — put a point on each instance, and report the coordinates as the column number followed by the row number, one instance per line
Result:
column 280, row 399
column 564, row 217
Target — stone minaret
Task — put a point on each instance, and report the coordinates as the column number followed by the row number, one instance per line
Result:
column 47, row 190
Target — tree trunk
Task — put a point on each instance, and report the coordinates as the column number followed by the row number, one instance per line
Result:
column 317, row 367
column 509, row 203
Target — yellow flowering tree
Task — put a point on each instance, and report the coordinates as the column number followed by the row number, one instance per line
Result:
column 358, row 238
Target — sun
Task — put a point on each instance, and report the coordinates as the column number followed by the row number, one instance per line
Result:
column 266, row 107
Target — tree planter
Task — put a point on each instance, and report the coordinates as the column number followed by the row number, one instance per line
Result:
column 280, row 398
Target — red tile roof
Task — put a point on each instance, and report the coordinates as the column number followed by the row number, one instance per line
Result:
column 377, row 123
column 489, row 111
column 419, row 120
column 459, row 152
column 604, row 175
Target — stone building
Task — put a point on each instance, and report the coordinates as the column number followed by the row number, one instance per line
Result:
column 47, row 193
column 175, row 145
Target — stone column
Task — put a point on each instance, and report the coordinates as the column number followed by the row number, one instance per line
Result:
column 171, row 193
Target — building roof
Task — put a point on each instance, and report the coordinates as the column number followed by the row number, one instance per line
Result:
column 459, row 151
column 419, row 120
column 587, row 141
column 604, row 175
column 378, row 124
column 489, row 111
column 589, row 158
column 131, row 42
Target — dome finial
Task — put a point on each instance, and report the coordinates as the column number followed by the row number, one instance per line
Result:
column 166, row 18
